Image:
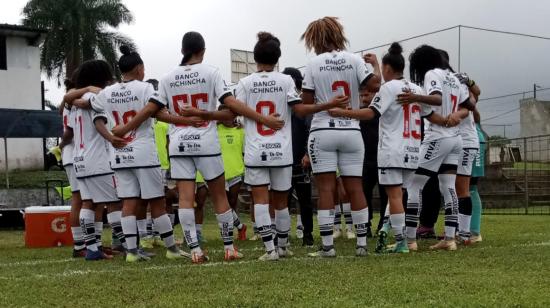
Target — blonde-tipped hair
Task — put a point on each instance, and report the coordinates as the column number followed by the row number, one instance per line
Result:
column 323, row 34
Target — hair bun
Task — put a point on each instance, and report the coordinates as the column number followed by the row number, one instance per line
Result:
column 395, row 49
column 125, row 50
column 266, row 36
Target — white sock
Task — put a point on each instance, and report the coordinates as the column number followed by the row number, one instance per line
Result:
column 87, row 223
column 337, row 217
column 299, row 224
column 263, row 222
column 187, row 222
column 172, row 218
column 98, row 232
column 414, row 204
column 448, row 191
column 129, row 227
column 78, row 238
column 360, row 220
column 225, row 222
column 142, row 228
column 164, row 227
column 236, row 221
column 398, row 225
column 464, row 217
column 346, row 210
column 149, row 226
column 325, row 220
column 282, row 221
column 113, row 219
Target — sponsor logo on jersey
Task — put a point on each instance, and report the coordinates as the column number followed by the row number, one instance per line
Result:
column 122, row 97
column 335, row 65
column 271, row 146
column 187, row 80
column 263, row 156
column 124, row 150
column 190, row 137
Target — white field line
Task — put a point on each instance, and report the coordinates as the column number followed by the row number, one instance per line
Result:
column 162, row 267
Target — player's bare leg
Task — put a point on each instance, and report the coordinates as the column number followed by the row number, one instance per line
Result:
column 200, row 202
column 359, row 211
column 326, row 184
column 345, row 209
column 224, row 216
column 279, row 201
column 79, row 248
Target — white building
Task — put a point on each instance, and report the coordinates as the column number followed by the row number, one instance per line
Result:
column 20, row 88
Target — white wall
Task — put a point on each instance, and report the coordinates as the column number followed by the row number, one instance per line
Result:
column 20, row 89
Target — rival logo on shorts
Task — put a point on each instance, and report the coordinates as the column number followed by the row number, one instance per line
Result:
column 432, row 147
column 312, row 155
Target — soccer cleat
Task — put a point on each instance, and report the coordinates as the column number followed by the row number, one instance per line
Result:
column 255, row 237
column 96, row 255
column 269, row 256
column 350, row 234
column 180, row 254
column 382, row 241
column 464, row 241
column 80, row 253
column 232, row 255
column 444, row 245
column 299, row 232
column 400, row 247
column 337, row 233
column 361, row 251
column 198, row 257
column 284, row 252
column 147, row 243
column 323, row 253
column 135, row 257
column 242, row 233
column 413, row 246
column 145, row 253
column 476, row 239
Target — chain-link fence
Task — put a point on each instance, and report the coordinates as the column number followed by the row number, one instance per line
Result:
column 517, row 176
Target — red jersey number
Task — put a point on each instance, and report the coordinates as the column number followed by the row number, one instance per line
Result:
column 180, row 102
column 408, row 113
column 266, row 108
column 126, row 117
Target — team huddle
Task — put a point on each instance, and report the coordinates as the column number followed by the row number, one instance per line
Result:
column 110, row 148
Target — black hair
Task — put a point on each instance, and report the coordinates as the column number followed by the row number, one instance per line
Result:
column 394, row 58
column 423, row 59
column 296, row 76
column 191, row 43
column 95, row 73
column 129, row 59
column 268, row 49
column 154, row 82
column 446, row 61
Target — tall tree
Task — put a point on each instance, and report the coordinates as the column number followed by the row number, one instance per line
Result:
column 78, row 30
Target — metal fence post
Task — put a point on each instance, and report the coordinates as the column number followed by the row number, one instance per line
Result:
column 525, row 177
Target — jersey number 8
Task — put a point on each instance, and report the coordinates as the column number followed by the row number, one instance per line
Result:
column 261, row 107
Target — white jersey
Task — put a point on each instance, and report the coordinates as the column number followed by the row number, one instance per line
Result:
column 452, row 95
column 467, row 128
column 267, row 93
column 199, row 86
column 67, row 154
column 91, row 151
column 331, row 74
column 119, row 103
column 399, row 126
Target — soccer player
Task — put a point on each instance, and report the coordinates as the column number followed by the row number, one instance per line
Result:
column 399, row 129
column 136, row 163
column 335, row 143
column 91, row 160
column 231, row 136
column 192, row 89
column 478, row 171
column 442, row 145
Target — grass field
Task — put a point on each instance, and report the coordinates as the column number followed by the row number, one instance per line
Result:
column 510, row 268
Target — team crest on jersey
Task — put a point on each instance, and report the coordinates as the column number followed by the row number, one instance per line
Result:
column 434, row 83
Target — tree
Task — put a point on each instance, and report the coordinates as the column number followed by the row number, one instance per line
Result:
column 78, row 30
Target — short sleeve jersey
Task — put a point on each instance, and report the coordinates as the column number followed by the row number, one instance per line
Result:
column 452, row 95
column 268, row 93
column 200, row 86
column 67, row 154
column 331, row 74
column 119, row 103
column 399, row 126
column 467, row 127
column 91, row 151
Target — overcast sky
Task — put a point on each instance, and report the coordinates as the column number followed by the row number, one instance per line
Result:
column 501, row 64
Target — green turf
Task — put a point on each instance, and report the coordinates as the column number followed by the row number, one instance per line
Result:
column 32, row 179
column 510, row 268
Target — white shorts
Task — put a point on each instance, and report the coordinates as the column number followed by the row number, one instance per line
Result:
column 185, row 168
column 71, row 176
column 144, row 183
column 331, row 150
column 444, row 151
column 278, row 179
column 98, row 189
column 467, row 161
column 167, row 179
column 395, row 176
column 232, row 182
